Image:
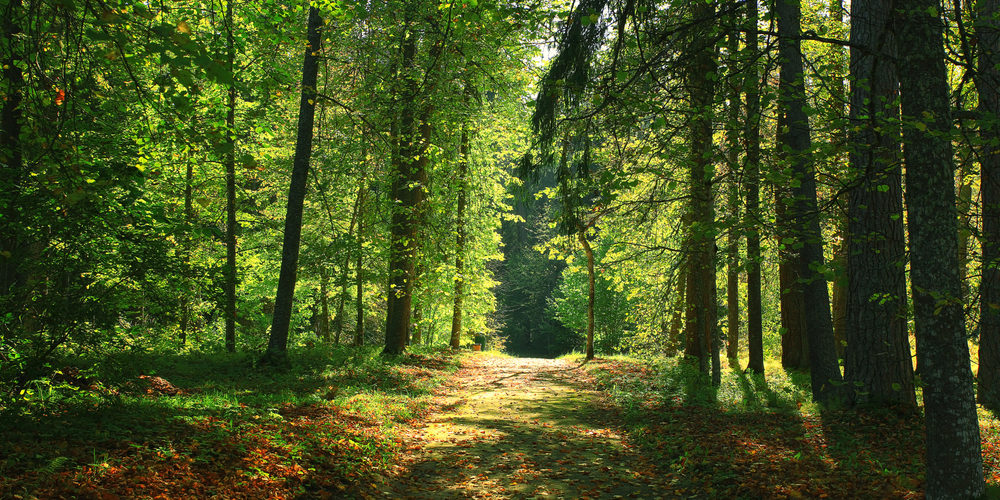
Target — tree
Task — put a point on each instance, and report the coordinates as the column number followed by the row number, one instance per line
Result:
column 408, row 186
column 230, row 164
column 460, row 236
column 733, row 199
column 988, row 85
column 751, row 183
column 794, row 144
column 700, row 322
column 877, row 364
column 277, row 346
column 954, row 460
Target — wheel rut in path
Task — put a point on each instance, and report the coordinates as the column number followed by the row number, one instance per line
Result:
column 521, row 428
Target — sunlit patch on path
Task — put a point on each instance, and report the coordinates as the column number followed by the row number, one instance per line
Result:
column 520, row 428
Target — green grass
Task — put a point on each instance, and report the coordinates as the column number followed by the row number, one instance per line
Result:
column 232, row 429
column 759, row 436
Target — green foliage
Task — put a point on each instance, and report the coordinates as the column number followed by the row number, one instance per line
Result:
column 611, row 307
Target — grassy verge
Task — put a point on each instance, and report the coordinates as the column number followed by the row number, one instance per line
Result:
column 760, row 437
column 204, row 425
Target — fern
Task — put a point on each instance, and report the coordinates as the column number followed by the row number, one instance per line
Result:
column 54, row 465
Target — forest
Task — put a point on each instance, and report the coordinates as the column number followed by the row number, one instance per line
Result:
column 306, row 249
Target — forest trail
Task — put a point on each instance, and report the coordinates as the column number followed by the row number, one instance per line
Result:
column 520, row 428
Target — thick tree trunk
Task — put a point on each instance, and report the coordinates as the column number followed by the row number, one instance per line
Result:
column 409, row 186
column 954, row 460
column 988, row 84
column 463, row 186
column 277, row 346
column 794, row 336
column 751, row 181
column 406, row 192
column 877, row 361
column 795, row 143
column 701, row 310
column 230, row 277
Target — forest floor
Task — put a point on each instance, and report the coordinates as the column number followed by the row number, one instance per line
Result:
column 620, row 428
column 348, row 423
column 520, row 428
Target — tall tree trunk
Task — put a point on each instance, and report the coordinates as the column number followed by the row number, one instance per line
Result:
column 463, row 187
column 838, row 299
column 359, row 304
column 231, row 227
column 988, row 84
column 954, row 460
column 701, row 310
column 877, row 359
column 582, row 236
column 794, row 336
column 403, row 244
column 733, row 203
column 409, row 185
column 277, row 346
column 794, row 141
column 751, row 182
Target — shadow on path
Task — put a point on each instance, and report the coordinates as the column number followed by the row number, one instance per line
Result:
column 521, row 428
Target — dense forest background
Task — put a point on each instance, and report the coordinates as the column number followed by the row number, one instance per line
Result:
column 811, row 182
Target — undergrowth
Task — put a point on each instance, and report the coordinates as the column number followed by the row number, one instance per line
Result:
column 197, row 424
column 761, row 436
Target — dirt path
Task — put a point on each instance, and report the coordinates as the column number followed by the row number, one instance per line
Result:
column 521, row 428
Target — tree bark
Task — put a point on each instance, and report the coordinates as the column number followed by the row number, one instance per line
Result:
column 751, row 181
column 463, row 186
column 277, row 346
column 733, row 202
column 230, row 277
column 700, row 321
column 408, row 188
column 794, row 337
column 988, row 84
column 877, row 361
column 405, row 197
column 954, row 460
column 795, row 144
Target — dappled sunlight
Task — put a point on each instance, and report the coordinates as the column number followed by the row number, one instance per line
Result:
column 521, row 427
